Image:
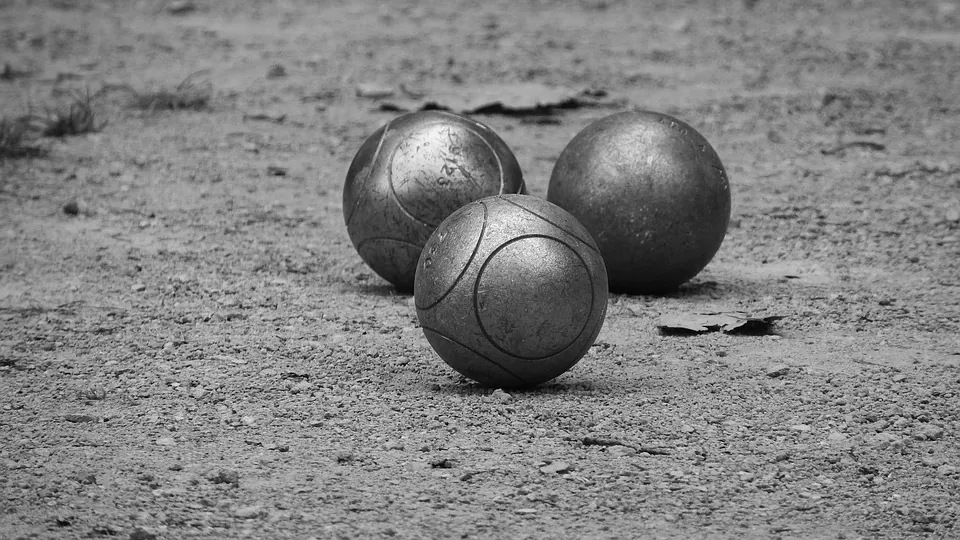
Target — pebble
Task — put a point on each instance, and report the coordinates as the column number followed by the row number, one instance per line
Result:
column 928, row 433
column 778, row 371
column 166, row 441
column 249, row 512
column 276, row 170
column 140, row 533
column 302, row 386
column 86, row 478
column 138, row 287
column 72, row 208
column 621, row 451
column 888, row 440
column 374, row 91
column 180, row 7
column 225, row 477
column 556, row 467
column 501, row 396
column 836, row 436
column 803, row 428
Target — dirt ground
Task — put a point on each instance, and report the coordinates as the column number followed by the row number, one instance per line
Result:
column 195, row 350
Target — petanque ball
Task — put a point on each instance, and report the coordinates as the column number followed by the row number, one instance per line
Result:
column 652, row 192
column 511, row 291
column 411, row 174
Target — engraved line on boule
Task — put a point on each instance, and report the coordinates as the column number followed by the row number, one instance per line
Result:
column 460, row 167
column 480, row 355
column 564, row 229
column 373, row 162
column 476, row 297
column 393, row 190
column 483, row 229
column 398, row 240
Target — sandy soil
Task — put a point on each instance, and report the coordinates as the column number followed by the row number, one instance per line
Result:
column 198, row 352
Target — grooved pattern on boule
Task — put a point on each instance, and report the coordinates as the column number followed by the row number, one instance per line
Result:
column 530, row 299
column 558, row 274
column 437, row 285
column 472, row 364
column 410, row 175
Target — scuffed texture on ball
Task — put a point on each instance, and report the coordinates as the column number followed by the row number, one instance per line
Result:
column 410, row 175
column 652, row 192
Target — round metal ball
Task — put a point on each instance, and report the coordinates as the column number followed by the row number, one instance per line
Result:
column 410, row 175
column 511, row 291
column 652, row 192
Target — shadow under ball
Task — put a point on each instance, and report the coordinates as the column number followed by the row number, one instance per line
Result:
column 652, row 192
column 511, row 291
column 410, row 175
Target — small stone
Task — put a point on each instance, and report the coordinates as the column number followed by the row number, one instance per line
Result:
column 115, row 169
column 803, row 428
column 778, row 371
column 248, row 420
column 621, row 451
column 249, row 512
column 225, row 477
column 525, row 511
column 836, row 436
column 276, row 71
column 746, row 476
column 899, row 378
column 166, row 441
column 953, row 214
column 302, row 386
column 72, row 208
column 928, row 433
column 947, row 470
column 276, row 170
column 180, row 7
column 374, row 91
column 888, row 440
column 501, row 396
column 557, row 467
column 138, row 287
column 140, row 533
column 79, row 418
column 87, row 478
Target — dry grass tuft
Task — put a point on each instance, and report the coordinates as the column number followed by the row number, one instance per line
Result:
column 190, row 94
column 77, row 118
column 14, row 137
